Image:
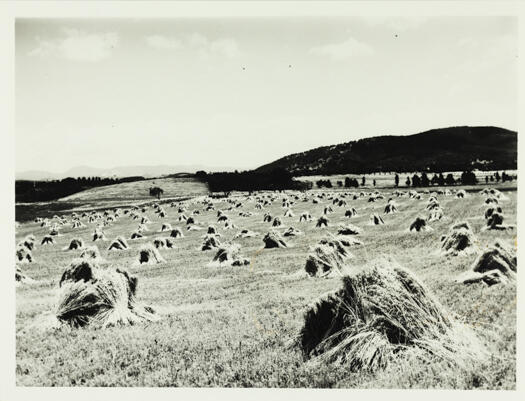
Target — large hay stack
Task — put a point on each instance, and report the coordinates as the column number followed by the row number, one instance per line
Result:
column 274, row 240
column 327, row 258
column 149, row 255
column 381, row 311
column 459, row 239
column 90, row 295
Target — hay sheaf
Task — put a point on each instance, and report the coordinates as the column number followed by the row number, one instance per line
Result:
column 228, row 255
column 274, row 240
column 149, row 255
column 497, row 264
column 380, row 311
column 118, row 243
column 376, row 220
column 210, row 242
column 90, row 295
column 348, row 229
column 419, row 224
column 459, row 239
column 327, row 258
column 322, row 222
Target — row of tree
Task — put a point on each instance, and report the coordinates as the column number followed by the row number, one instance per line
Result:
column 42, row 191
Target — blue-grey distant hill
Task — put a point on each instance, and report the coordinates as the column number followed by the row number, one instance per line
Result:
column 443, row 149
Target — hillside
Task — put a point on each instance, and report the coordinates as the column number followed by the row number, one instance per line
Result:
column 443, row 149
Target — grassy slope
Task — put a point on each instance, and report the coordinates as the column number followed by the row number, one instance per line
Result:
column 232, row 326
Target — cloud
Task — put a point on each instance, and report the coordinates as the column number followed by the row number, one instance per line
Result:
column 224, row 47
column 78, row 46
column 344, row 50
column 399, row 24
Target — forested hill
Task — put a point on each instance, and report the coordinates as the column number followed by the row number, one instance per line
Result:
column 443, row 149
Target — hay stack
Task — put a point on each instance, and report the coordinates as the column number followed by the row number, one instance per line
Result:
column 137, row 235
column 118, row 243
column 23, row 255
column 375, row 219
column 166, row 227
column 461, row 194
column 348, row 229
column 99, row 235
column 459, row 239
column 305, row 217
column 210, row 242
column 419, row 224
column 21, row 278
column 274, row 240
column 292, row 232
column 390, row 208
column 327, row 258
column 277, row 222
column 267, row 218
column 148, row 254
column 163, row 243
column 351, row 212
column 322, row 221
column 380, row 311
column 212, row 230
column 495, row 222
column 436, row 214
column 228, row 255
column 327, row 210
column 491, row 210
column 289, row 213
column 76, row 243
column 90, row 295
column 91, row 252
column 245, row 234
column 47, row 240
column 497, row 264
column 176, row 233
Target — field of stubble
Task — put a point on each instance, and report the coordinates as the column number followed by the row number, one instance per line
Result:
column 232, row 326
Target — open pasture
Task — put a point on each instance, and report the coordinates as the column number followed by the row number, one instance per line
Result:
column 236, row 325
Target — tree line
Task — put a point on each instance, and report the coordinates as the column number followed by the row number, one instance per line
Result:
column 43, row 191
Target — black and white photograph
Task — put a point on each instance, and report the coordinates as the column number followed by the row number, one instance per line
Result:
column 264, row 200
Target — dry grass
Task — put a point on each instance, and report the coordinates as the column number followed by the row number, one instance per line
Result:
column 231, row 326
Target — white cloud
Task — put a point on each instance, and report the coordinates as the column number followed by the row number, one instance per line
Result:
column 78, row 46
column 344, row 50
column 205, row 47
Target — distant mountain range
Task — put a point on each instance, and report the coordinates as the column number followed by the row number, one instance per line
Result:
column 124, row 171
column 443, row 149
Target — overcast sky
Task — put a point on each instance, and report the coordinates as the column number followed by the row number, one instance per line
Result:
column 244, row 92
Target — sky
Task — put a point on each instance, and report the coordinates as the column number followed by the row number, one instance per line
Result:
column 243, row 92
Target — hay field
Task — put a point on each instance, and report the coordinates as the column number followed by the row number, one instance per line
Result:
column 234, row 326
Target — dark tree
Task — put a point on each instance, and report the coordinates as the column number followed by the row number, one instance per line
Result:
column 416, row 181
column 424, row 180
column 363, row 181
column 450, row 179
column 396, row 180
column 374, row 182
column 156, row 191
column 407, row 182
column 468, row 178
column 441, row 179
column 497, row 176
column 486, row 179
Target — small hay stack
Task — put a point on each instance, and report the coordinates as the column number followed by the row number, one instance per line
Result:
column 305, row 216
column 267, row 218
column 90, row 295
column 210, row 242
column 277, row 222
column 166, row 227
column 228, row 255
column 497, row 264
column 163, row 243
column 495, row 222
column 47, row 240
column 459, row 239
column 244, row 233
column 326, row 259
column 99, row 235
column 289, row 213
column 419, row 224
column 492, row 209
column 375, row 219
column 461, row 194
column 435, row 214
column 23, row 255
column 381, row 311
column 21, row 278
column 273, row 240
column 351, row 212
column 390, row 208
column 176, row 233
column 136, row 235
column 322, row 221
column 148, row 254
column 212, row 230
column 292, row 232
column 118, row 243
column 348, row 229
column 76, row 243
column 91, row 252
